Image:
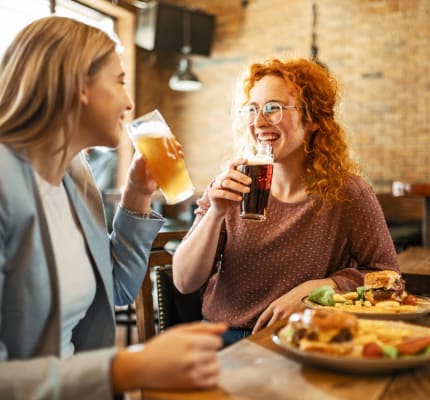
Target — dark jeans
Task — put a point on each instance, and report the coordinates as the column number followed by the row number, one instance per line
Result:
column 233, row 335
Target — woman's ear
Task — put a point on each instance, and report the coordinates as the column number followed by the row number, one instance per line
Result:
column 85, row 95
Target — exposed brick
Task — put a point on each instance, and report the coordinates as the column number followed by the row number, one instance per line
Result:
column 379, row 50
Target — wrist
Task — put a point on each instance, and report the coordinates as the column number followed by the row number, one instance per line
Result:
column 214, row 213
column 138, row 214
column 136, row 202
column 123, row 372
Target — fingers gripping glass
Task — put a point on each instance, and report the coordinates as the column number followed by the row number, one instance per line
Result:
column 272, row 112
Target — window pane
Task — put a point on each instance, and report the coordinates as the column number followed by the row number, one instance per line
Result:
column 67, row 8
column 14, row 15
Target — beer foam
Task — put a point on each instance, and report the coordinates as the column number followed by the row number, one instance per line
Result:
column 154, row 129
column 259, row 160
column 256, row 158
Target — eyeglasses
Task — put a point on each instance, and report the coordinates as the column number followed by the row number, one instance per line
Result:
column 272, row 112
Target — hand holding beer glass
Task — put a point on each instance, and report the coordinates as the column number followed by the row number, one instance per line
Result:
column 151, row 137
column 259, row 168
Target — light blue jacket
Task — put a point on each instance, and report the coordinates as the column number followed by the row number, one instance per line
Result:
column 29, row 298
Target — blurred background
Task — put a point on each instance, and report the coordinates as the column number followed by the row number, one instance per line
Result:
column 379, row 50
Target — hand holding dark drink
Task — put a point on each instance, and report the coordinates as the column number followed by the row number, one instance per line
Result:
column 259, row 168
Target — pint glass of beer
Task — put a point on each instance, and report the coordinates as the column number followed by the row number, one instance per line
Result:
column 259, row 168
column 151, row 137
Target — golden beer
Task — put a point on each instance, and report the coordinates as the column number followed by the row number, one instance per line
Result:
column 152, row 138
column 166, row 166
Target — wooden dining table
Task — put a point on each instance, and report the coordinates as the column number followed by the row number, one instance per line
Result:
column 256, row 368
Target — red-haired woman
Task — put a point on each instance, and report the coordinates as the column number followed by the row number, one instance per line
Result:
column 324, row 224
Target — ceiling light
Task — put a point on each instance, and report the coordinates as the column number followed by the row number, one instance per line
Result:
column 185, row 80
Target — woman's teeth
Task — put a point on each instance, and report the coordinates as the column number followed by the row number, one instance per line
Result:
column 268, row 138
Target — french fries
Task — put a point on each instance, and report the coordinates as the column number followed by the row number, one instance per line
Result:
column 363, row 300
column 405, row 338
column 368, row 307
column 350, row 301
column 366, row 338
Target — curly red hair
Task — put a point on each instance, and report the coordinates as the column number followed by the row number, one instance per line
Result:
column 328, row 164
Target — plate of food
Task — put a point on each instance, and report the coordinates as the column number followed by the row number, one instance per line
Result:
column 383, row 296
column 343, row 342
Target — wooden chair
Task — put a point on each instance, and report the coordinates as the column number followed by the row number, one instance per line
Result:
column 172, row 307
column 414, row 265
column 414, row 262
column 420, row 190
column 404, row 217
column 125, row 316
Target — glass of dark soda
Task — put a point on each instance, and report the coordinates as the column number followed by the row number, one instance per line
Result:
column 259, row 168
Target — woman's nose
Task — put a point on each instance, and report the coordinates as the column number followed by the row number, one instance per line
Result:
column 129, row 104
column 259, row 119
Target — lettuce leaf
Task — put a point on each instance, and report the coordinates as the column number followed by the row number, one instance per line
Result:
column 322, row 295
column 361, row 290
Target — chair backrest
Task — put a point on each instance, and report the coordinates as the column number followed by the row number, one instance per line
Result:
column 171, row 306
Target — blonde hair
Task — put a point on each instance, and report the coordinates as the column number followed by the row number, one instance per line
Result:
column 327, row 164
column 42, row 75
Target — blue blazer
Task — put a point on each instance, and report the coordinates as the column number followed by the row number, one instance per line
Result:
column 29, row 298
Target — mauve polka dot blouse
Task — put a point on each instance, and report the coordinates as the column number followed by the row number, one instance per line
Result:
column 263, row 260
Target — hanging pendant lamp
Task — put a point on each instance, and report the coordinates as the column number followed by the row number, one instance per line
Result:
column 185, row 80
column 314, row 47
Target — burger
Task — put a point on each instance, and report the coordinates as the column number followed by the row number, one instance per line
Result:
column 324, row 331
column 384, row 286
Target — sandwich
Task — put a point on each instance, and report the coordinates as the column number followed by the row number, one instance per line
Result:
column 384, row 286
column 322, row 331
column 343, row 334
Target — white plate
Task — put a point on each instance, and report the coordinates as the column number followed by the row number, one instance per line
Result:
column 355, row 365
column 423, row 308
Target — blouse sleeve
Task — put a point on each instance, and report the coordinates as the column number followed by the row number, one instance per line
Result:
column 370, row 242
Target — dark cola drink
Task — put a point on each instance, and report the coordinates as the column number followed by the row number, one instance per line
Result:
column 254, row 203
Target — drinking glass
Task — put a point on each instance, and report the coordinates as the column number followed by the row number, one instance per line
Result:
column 259, row 168
column 151, row 137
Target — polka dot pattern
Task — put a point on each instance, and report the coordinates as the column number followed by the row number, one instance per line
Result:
column 264, row 260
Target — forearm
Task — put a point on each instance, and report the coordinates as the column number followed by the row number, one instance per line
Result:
column 194, row 258
column 134, row 200
column 131, row 242
column 84, row 376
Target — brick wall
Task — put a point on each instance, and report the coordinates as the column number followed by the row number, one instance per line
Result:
column 378, row 49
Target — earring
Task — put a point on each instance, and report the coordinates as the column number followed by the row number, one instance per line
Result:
column 308, row 147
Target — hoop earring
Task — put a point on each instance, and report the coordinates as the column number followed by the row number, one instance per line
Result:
column 307, row 148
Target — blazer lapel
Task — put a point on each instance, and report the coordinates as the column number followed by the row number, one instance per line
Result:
column 79, row 185
column 49, row 343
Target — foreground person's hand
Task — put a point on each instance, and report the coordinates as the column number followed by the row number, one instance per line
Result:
column 183, row 357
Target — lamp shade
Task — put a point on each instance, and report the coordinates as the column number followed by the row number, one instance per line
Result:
column 184, row 80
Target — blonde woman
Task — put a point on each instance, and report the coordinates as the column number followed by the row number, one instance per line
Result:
column 62, row 91
column 324, row 224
